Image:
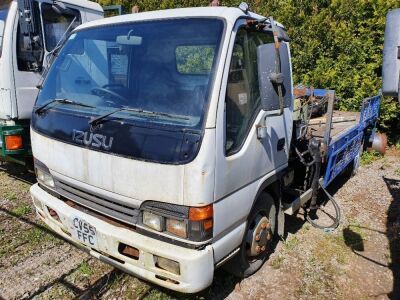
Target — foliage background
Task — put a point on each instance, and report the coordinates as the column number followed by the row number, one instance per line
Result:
column 336, row 44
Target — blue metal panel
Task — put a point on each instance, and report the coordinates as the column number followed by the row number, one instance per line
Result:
column 343, row 150
column 318, row 92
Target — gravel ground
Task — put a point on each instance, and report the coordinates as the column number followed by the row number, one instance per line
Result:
column 359, row 260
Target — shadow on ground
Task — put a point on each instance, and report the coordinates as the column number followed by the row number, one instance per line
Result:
column 355, row 242
column 393, row 233
column 18, row 172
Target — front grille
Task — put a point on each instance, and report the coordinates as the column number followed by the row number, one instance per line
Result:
column 111, row 207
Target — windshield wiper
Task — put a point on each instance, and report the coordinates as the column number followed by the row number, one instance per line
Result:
column 97, row 120
column 173, row 116
column 41, row 108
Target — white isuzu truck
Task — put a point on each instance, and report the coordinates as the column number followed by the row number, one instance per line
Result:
column 168, row 143
column 30, row 33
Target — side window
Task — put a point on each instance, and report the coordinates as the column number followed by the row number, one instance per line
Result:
column 56, row 24
column 243, row 93
column 30, row 49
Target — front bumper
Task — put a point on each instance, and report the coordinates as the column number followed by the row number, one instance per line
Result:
column 196, row 266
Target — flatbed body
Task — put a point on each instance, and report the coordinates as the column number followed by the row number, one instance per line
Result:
column 346, row 138
column 342, row 122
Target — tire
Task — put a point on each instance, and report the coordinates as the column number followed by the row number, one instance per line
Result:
column 246, row 262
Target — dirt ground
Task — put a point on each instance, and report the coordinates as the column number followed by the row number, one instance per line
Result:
column 359, row 260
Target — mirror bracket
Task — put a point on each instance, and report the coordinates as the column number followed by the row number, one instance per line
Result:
column 276, row 78
column 262, row 131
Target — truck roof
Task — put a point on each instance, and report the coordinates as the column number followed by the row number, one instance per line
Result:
column 85, row 4
column 230, row 14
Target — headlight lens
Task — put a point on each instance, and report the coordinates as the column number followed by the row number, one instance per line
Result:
column 153, row 221
column 192, row 223
column 177, row 227
column 44, row 177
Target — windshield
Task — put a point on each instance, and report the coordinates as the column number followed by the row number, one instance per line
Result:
column 4, row 7
column 162, row 67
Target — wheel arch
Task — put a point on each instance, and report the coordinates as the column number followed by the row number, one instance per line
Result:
column 273, row 186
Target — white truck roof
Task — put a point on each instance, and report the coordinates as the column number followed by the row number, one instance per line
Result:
column 230, row 14
column 85, row 4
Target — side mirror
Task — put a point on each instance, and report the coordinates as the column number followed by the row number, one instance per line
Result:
column 270, row 80
column 391, row 55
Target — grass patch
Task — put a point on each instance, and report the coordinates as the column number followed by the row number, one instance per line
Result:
column 22, row 210
column 331, row 247
column 397, row 172
column 3, row 251
column 85, row 269
column 156, row 294
column 322, row 267
column 291, row 243
column 34, row 235
column 277, row 262
column 368, row 157
column 10, row 195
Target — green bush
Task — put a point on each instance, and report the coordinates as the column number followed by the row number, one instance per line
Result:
column 336, row 44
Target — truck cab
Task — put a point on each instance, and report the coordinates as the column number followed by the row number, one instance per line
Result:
column 30, row 33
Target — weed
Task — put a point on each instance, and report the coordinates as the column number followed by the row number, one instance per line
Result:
column 368, row 157
column 331, row 247
column 34, row 236
column 156, row 294
column 3, row 252
column 397, row 172
column 322, row 267
column 386, row 163
column 85, row 269
column 10, row 195
column 397, row 145
column 306, row 227
column 22, row 210
column 277, row 262
column 291, row 243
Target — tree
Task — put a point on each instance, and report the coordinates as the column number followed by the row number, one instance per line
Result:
column 336, row 44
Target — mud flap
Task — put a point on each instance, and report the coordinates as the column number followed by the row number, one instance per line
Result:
column 281, row 221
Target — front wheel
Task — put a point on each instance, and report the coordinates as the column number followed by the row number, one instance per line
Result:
column 258, row 241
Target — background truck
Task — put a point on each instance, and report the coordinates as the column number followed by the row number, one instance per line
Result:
column 185, row 147
column 391, row 56
column 30, row 33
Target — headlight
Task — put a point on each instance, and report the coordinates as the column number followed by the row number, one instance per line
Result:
column 44, row 178
column 193, row 223
column 43, row 174
column 153, row 221
column 177, row 227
